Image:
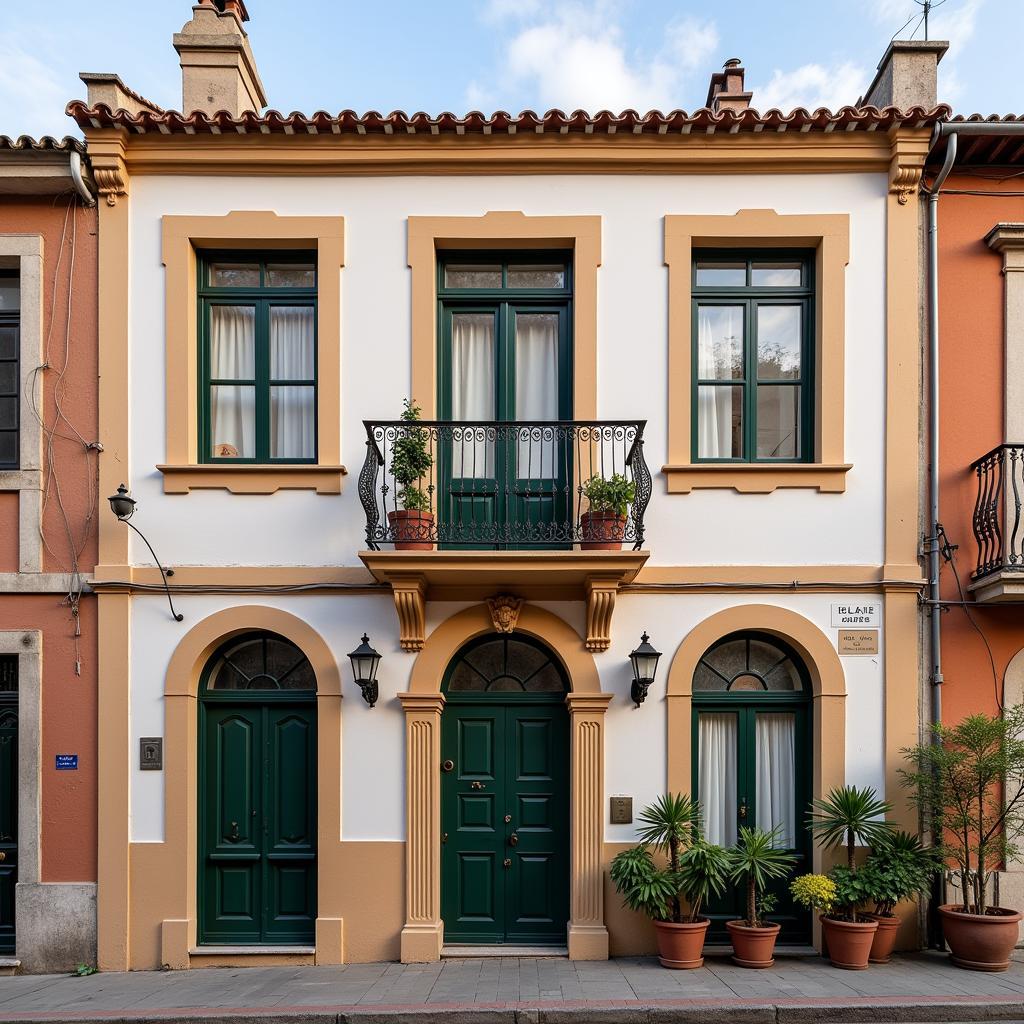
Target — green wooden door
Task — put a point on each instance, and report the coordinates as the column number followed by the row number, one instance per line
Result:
column 505, row 798
column 257, row 799
column 8, row 798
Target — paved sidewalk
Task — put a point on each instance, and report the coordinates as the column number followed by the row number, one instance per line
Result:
column 916, row 987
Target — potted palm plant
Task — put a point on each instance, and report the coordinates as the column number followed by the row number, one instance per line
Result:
column 970, row 783
column 849, row 815
column 412, row 525
column 695, row 870
column 755, row 861
column 603, row 525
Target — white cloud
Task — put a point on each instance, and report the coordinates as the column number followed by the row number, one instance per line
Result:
column 812, row 86
column 575, row 57
column 954, row 20
column 31, row 94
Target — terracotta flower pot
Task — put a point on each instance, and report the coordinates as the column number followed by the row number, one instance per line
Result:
column 680, row 945
column 885, row 937
column 752, row 947
column 980, row 942
column 411, row 529
column 602, row 531
column 849, row 942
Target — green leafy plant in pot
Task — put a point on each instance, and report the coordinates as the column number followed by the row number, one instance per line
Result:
column 412, row 525
column 969, row 782
column 603, row 525
column 694, row 872
column 848, row 816
column 754, row 861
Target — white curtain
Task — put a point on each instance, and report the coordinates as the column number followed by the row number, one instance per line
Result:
column 292, row 407
column 233, row 357
column 716, row 738
column 716, row 327
column 536, row 391
column 776, row 776
column 472, row 390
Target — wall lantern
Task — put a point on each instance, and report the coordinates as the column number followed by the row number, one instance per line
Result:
column 645, row 665
column 122, row 505
column 364, row 670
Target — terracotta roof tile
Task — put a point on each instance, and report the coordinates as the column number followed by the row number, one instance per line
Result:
column 46, row 144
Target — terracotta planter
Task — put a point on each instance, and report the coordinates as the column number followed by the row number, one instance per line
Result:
column 602, row 531
column 680, row 945
column 885, row 938
column 849, row 942
column 752, row 947
column 980, row 942
column 412, row 530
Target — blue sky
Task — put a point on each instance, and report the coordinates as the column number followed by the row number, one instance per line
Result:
column 458, row 55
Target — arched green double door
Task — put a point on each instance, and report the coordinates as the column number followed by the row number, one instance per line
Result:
column 505, row 795
column 752, row 760
column 257, row 795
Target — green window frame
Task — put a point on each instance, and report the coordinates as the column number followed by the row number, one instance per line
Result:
column 742, row 286
column 10, row 370
column 263, row 297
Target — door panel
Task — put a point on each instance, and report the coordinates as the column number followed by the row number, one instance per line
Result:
column 8, row 820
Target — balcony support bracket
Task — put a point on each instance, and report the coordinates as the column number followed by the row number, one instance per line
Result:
column 601, row 592
column 410, row 594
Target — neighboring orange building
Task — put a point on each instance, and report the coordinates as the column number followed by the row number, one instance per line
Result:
column 48, row 500
column 981, row 421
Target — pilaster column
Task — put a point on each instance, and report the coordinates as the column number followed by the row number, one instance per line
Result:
column 588, row 936
column 423, row 932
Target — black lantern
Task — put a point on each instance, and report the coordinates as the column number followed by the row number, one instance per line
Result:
column 364, row 670
column 122, row 504
column 645, row 665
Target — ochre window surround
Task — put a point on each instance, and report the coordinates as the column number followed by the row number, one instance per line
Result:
column 239, row 230
column 828, row 236
column 505, row 230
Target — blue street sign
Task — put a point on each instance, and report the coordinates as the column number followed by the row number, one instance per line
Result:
column 67, row 762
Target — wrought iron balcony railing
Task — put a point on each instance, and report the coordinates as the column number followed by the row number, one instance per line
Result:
column 488, row 484
column 997, row 511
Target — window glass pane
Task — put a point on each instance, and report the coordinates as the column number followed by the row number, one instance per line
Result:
column 746, row 681
column 779, row 337
column 8, row 342
column 291, row 343
column 262, row 663
column 778, row 421
column 235, row 275
column 716, row 773
column 8, row 673
column 719, row 421
column 550, row 275
column 472, row 392
column 10, row 293
column 8, row 413
column 729, row 658
column 8, row 448
column 291, row 275
column 232, row 421
column 292, row 422
column 232, row 342
column 536, row 342
column 778, row 274
column 472, row 276
column 776, row 776
column 8, row 378
column 720, row 342
column 721, row 275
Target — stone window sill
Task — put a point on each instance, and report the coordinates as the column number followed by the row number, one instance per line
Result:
column 250, row 479
column 756, row 478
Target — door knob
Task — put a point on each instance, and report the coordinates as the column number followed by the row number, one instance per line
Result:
column 507, row 862
column 513, row 840
column 233, row 834
column 3, row 856
column 447, row 766
column 743, row 809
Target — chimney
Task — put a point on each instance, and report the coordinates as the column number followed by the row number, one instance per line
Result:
column 218, row 71
column 726, row 89
column 907, row 75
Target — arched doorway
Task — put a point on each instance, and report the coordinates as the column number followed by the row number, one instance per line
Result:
column 257, row 877
column 505, row 794
column 752, row 758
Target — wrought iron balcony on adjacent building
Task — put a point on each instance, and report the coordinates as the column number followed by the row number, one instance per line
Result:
column 998, row 526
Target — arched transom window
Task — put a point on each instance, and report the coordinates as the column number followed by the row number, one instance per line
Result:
column 257, row 662
column 749, row 664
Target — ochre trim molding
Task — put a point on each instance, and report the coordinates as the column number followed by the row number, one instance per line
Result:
column 423, row 933
column 246, row 229
column 505, row 230
column 829, row 236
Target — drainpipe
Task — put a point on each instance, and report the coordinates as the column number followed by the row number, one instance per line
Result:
column 76, row 176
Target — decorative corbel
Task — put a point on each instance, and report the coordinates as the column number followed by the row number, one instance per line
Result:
column 908, row 150
column 600, row 606
column 106, row 158
column 410, row 594
column 504, row 609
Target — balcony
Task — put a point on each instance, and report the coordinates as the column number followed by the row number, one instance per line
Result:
column 998, row 528
column 466, row 510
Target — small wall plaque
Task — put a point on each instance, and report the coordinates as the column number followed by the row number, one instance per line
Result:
column 67, row 763
column 858, row 641
column 151, row 753
column 622, row 810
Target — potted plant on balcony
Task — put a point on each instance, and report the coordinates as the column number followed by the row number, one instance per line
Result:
column 603, row 525
column 412, row 525
column 695, row 871
column 899, row 868
column 848, row 815
column 970, row 783
column 755, row 861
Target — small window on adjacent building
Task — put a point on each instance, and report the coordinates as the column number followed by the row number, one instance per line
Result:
column 10, row 411
column 258, row 355
column 752, row 374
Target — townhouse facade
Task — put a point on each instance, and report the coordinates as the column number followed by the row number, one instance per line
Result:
column 49, row 455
